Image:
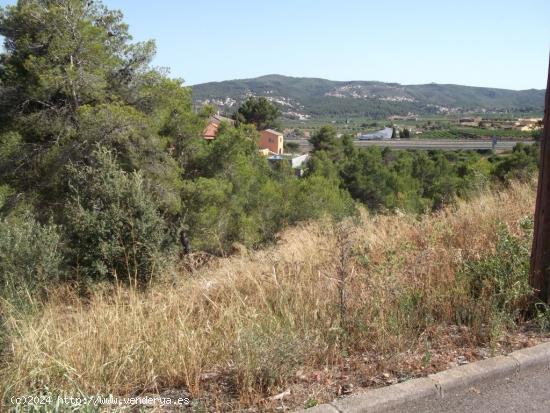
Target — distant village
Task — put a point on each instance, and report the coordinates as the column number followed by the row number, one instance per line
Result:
column 519, row 124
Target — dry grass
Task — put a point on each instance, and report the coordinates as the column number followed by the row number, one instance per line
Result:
column 243, row 327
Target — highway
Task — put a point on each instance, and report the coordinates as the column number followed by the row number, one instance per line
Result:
column 444, row 144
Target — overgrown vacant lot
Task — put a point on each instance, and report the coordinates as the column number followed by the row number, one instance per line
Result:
column 329, row 309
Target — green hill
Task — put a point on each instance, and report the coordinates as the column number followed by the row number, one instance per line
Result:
column 302, row 98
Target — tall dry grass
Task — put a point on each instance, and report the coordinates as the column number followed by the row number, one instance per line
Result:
column 324, row 292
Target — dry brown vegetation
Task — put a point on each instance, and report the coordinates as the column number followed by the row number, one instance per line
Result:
column 328, row 303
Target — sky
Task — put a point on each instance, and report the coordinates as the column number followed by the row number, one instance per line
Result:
column 492, row 43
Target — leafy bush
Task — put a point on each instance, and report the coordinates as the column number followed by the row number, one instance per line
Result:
column 30, row 258
column 316, row 196
column 497, row 285
column 207, row 214
column 250, row 207
column 5, row 193
column 521, row 164
column 112, row 221
column 504, row 274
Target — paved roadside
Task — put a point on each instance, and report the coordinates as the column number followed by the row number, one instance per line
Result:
column 518, row 382
column 523, row 393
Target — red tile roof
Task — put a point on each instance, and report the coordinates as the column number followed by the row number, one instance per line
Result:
column 211, row 130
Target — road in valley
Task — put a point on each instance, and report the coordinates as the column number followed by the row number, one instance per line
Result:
column 444, row 144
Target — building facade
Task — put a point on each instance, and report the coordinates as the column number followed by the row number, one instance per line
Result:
column 272, row 140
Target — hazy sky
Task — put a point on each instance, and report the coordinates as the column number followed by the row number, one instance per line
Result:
column 498, row 43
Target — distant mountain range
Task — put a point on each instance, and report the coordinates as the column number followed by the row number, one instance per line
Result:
column 310, row 98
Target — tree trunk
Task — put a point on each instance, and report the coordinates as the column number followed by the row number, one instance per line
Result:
column 539, row 277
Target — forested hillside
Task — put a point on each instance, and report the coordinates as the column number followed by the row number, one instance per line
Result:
column 320, row 97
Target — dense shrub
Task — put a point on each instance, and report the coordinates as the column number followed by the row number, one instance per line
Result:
column 317, row 196
column 249, row 204
column 521, row 164
column 387, row 179
column 113, row 224
column 30, row 258
column 496, row 285
column 503, row 275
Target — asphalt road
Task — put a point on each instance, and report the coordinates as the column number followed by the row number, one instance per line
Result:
column 525, row 393
column 445, row 144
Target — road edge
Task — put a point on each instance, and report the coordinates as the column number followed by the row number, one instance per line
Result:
column 439, row 384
